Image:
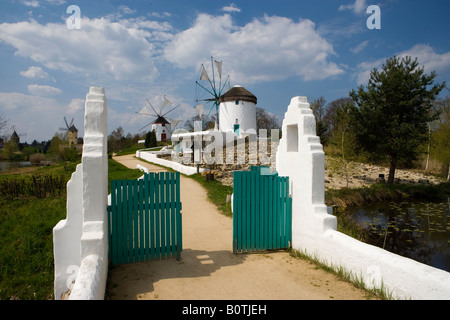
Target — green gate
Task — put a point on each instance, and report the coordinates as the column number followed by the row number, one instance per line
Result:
column 144, row 218
column 261, row 210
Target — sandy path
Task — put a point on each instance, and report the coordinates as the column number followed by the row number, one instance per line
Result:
column 208, row 270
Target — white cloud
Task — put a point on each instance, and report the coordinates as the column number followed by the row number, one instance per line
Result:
column 31, row 3
column 126, row 10
column 101, row 48
column 358, row 7
column 425, row 54
column 36, row 3
column 40, row 90
column 38, row 117
column 360, row 47
column 231, row 8
column 75, row 105
column 267, row 49
column 35, row 73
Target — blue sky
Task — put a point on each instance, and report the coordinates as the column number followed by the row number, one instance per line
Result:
column 147, row 49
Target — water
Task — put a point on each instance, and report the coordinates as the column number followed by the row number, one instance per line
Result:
column 8, row 165
column 417, row 230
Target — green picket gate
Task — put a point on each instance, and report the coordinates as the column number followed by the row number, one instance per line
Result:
column 262, row 210
column 144, row 218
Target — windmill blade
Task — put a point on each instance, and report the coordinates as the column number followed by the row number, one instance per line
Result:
column 152, row 107
column 173, row 124
column 166, row 102
column 170, row 110
column 63, row 129
column 145, row 111
column 219, row 68
column 65, row 120
column 204, row 75
column 71, row 122
column 145, row 126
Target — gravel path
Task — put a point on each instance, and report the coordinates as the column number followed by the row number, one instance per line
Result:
column 208, row 270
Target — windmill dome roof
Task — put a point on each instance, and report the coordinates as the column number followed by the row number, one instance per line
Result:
column 73, row 129
column 238, row 93
column 161, row 119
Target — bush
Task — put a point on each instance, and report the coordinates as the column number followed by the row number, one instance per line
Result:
column 36, row 159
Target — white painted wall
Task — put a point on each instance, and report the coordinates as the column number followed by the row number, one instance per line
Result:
column 80, row 241
column 300, row 156
column 152, row 157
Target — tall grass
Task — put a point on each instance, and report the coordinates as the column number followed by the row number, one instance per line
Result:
column 26, row 235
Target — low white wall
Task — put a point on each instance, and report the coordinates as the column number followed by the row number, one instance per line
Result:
column 300, row 156
column 152, row 157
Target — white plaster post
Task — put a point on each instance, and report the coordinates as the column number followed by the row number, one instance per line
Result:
column 80, row 241
column 300, row 157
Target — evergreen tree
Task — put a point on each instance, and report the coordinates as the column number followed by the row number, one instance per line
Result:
column 150, row 139
column 392, row 113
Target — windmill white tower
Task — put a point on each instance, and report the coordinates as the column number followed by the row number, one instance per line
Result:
column 237, row 111
column 162, row 127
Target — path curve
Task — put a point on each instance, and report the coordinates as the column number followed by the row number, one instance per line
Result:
column 208, row 270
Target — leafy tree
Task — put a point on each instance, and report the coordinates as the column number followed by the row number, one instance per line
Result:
column 441, row 135
column 393, row 112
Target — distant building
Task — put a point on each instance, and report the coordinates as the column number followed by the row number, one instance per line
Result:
column 73, row 135
column 15, row 137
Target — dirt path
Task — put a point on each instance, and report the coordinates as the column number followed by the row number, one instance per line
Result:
column 208, row 270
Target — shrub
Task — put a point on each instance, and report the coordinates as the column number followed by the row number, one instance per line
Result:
column 36, row 159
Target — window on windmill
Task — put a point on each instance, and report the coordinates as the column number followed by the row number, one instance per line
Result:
column 292, row 138
column 237, row 102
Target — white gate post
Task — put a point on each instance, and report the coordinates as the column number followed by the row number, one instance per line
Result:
column 80, row 241
column 300, row 156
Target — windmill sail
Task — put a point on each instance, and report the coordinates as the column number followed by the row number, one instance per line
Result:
column 144, row 110
column 166, row 102
column 204, row 75
column 219, row 68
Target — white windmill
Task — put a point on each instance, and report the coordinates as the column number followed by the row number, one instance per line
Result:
column 235, row 108
column 209, row 89
column 162, row 127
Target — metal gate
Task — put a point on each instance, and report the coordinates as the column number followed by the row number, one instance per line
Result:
column 261, row 210
column 144, row 218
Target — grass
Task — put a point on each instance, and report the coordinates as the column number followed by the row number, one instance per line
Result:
column 26, row 236
column 217, row 193
column 344, row 275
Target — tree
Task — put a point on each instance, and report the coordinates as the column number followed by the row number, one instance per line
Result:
column 150, row 139
column 318, row 109
column 441, row 135
column 266, row 120
column 391, row 117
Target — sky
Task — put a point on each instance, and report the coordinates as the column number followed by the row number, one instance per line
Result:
column 137, row 50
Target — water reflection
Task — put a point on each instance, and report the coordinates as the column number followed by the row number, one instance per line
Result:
column 417, row 230
column 8, row 165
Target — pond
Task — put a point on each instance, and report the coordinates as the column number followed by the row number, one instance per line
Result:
column 8, row 165
column 417, row 230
